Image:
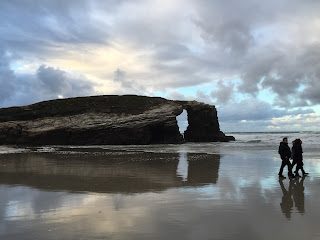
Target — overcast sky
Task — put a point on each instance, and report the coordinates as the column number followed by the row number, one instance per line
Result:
column 257, row 61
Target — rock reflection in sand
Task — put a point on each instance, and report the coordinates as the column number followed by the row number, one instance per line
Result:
column 111, row 172
column 133, row 194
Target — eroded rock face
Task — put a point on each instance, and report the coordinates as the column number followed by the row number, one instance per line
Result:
column 108, row 120
column 204, row 124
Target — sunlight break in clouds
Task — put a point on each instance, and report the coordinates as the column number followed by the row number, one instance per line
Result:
column 256, row 61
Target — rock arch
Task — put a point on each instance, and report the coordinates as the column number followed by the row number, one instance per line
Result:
column 108, row 119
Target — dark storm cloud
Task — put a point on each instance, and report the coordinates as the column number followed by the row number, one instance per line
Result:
column 253, row 41
column 294, row 71
column 264, row 45
column 48, row 83
column 40, row 30
column 45, row 25
column 312, row 92
column 55, row 82
column 236, row 30
column 229, row 29
column 224, row 24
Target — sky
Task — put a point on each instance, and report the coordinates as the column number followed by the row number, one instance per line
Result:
column 257, row 61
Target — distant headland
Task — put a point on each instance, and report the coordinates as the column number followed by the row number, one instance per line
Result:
column 110, row 120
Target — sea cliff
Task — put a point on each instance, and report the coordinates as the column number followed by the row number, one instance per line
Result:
column 108, row 119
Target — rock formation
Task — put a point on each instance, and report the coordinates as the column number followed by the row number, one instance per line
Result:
column 109, row 119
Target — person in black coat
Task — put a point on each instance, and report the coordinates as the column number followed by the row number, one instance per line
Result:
column 297, row 157
column 285, row 154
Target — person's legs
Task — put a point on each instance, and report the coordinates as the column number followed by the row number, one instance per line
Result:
column 294, row 162
column 299, row 167
column 283, row 164
column 302, row 170
column 289, row 168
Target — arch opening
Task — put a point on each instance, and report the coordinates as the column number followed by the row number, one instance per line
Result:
column 182, row 121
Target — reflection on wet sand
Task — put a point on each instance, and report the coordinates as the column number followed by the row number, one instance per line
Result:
column 294, row 194
column 114, row 172
column 132, row 194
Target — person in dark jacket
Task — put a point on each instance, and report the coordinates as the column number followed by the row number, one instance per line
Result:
column 285, row 154
column 297, row 157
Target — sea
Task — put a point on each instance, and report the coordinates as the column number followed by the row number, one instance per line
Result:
column 170, row 191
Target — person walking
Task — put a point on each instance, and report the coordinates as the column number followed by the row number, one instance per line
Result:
column 297, row 157
column 285, row 154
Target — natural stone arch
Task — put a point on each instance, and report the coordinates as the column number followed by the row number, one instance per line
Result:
column 108, row 119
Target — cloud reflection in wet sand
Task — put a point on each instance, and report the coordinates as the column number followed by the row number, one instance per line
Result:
column 137, row 195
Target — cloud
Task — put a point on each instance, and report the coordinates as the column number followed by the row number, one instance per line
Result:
column 248, row 115
column 224, row 92
column 257, row 116
column 143, row 47
column 50, row 23
column 185, row 43
column 302, row 122
column 288, row 74
column 47, row 83
column 57, row 82
column 263, row 44
column 7, row 77
column 242, row 111
column 174, row 95
column 200, row 96
column 255, row 110
column 305, row 122
column 127, row 86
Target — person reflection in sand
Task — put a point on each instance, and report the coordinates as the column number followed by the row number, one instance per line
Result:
column 287, row 202
column 298, row 195
column 296, row 190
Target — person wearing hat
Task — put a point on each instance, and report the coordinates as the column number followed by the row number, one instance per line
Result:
column 297, row 157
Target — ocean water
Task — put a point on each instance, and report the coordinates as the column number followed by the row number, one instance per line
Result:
column 250, row 141
column 310, row 139
column 189, row 191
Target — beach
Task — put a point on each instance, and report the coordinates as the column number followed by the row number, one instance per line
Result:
column 170, row 191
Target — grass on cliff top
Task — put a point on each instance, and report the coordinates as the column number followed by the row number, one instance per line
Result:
column 129, row 104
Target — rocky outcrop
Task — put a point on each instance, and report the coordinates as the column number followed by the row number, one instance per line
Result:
column 109, row 119
column 203, row 124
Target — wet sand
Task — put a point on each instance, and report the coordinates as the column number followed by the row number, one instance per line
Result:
column 189, row 191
